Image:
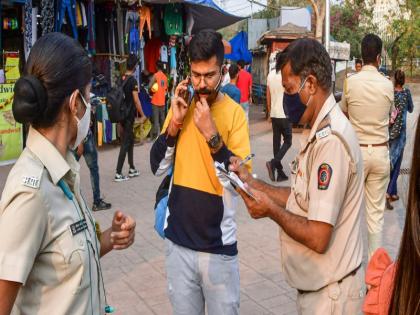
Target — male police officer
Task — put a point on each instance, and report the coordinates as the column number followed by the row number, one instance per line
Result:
column 319, row 216
column 368, row 98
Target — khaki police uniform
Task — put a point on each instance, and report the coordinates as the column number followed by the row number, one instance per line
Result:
column 368, row 99
column 327, row 186
column 56, row 261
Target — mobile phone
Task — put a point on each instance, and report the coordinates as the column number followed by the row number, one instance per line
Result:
column 187, row 95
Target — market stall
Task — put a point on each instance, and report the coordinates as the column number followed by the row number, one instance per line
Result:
column 154, row 30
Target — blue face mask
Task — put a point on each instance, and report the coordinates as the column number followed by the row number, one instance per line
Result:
column 293, row 106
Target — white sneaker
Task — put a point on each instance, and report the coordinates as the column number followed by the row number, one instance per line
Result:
column 132, row 172
column 120, row 178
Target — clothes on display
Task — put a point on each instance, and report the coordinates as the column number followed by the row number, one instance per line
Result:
column 145, row 18
column 173, row 19
column 152, row 54
column 69, row 7
column 47, row 16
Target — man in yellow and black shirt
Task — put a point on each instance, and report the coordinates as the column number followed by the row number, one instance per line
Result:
column 200, row 229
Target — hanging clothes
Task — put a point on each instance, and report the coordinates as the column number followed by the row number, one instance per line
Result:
column 145, row 18
column 142, row 61
column 69, row 7
column 91, row 35
column 120, row 29
column 47, row 16
column 27, row 13
column 173, row 19
column 134, row 41
column 164, row 54
column 132, row 19
column 152, row 54
column 173, row 58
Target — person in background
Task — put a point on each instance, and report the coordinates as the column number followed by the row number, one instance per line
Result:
column 319, row 216
column 88, row 150
column 358, row 65
column 226, row 77
column 397, row 134
column 280, row 124
column 230, row 89
column 50, row 244
column 202, row 264
column 159, row 99
column 244, row 84
column 131, row 91
column 395, row 286
column 368, row 99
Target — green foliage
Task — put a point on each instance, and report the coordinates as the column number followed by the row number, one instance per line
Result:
column 350, row 21
column 273, row 7
column 404, row 35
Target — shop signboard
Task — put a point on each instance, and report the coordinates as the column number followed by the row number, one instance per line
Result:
column 10, row 130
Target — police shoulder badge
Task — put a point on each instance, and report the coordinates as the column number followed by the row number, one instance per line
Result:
column 324, row 176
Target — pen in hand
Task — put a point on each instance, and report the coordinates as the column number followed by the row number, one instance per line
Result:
column 248, row 158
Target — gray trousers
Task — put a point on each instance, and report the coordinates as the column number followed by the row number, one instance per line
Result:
column 158, row 119
column 197, row 280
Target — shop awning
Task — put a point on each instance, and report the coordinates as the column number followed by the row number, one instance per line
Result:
column 206, row 14
column 239, row 46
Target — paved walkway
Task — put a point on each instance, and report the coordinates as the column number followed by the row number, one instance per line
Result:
column 135, row 278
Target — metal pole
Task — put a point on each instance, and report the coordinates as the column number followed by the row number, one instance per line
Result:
column 252, row 9
column 327, row 25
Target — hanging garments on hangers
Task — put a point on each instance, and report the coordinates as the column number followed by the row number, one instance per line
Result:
column 91, row 36
column 68, row 6
column 145, row 18
column 47, row 16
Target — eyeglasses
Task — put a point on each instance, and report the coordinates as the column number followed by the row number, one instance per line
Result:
column 207, row 77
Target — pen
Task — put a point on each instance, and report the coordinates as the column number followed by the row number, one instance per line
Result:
column 248, row 158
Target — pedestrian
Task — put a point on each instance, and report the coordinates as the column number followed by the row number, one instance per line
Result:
column 133, row 105
column 397, row 134
column 159, row 99
column 368, row 99
column 49, row 242
column 201, row 247
column 358, row 65
column 280, row 124
column 319, row 216
column 88, row 150
column 226, row 77
column 393, row 285
column 230, row 89
column 244, row 84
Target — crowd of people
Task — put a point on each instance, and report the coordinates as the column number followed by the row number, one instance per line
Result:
column 348, row 164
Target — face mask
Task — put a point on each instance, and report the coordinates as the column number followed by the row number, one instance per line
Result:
column 82, row 125
column 293, row 106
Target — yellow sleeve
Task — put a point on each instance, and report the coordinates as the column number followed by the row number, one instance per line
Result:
column 238, row 142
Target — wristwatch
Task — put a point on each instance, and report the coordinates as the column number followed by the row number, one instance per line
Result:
column 214, row 141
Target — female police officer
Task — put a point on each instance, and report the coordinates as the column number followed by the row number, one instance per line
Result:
column 49, row 245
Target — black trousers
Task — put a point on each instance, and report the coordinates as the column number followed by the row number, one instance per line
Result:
column 281, row 128
column 127, row 145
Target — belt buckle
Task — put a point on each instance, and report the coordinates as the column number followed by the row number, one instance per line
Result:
column 370, row 149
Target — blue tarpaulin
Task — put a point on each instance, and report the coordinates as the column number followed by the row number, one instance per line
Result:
column 206, row 14
column 240, row 48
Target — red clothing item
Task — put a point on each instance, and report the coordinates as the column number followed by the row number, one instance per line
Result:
column 158, row 98
column 244, row 85
column 380, row 275
column 152, row 54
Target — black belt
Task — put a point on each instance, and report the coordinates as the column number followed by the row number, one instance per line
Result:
column 352, row 273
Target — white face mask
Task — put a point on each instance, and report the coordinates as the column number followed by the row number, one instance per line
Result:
column 82, row 125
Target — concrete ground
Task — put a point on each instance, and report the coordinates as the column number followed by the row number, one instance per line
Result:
column 135, row 278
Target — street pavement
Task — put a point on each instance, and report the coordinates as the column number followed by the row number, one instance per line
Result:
column 135, row 278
